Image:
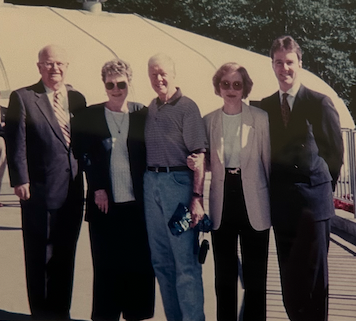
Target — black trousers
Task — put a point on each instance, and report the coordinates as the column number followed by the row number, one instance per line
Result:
column 50, row 240
column 302, row 247
column 254, row 253
column 124, row 281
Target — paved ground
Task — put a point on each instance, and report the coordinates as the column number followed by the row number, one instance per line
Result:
column 13, row 299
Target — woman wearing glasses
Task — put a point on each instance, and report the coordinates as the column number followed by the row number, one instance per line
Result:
column 239, row 161
column 114, row 158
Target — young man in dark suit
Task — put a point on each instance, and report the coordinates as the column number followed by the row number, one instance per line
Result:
column 45, row 176
column 306, row 156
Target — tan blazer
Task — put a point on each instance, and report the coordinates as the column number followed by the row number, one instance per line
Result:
column 255, row 165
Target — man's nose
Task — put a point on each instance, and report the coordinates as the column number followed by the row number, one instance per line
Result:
column 159, row 77
column 285, row 66
column 55, row 66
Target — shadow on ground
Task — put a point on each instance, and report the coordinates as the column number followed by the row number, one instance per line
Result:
column 6, row 228
column 9, row 316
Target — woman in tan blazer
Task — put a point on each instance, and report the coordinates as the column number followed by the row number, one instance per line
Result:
column 239, row 162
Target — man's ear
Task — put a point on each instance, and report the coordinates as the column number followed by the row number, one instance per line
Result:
column 300, row 63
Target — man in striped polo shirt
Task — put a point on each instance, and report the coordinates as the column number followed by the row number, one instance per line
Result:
column 174, row 130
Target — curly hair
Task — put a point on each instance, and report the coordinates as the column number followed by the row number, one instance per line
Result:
column 116, row 67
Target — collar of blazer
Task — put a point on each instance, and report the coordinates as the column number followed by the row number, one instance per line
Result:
column 300, row 96
column 247, row 133
column 46, row 108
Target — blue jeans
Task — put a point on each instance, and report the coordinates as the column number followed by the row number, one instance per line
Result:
column 176, row 266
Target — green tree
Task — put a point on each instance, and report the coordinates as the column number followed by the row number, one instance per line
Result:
column 326, row 30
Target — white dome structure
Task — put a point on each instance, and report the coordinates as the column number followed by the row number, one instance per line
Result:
column 92, row 38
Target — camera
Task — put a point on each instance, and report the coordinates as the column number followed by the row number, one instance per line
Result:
column 181, row 219
column 203, row 251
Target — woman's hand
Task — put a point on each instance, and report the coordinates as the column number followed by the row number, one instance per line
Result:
column 195, row 161
column 101, row 200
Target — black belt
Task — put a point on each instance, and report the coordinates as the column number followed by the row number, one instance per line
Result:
column 233, row 171
column 167, row 169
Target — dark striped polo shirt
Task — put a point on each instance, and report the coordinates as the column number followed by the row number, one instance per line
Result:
column 173, row 131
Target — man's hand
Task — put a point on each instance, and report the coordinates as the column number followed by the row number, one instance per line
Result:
column 196, row 210
column 196, row 162
column 23, row 191
column 101, row 200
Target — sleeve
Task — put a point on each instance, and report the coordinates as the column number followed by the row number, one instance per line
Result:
column 207, row 127
column 266, row 146
column 328, row 137
column 15, row 137
column 193, row 130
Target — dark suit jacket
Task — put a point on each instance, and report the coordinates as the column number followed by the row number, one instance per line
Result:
column 309, row 152
column 36, row 150
column 95, row 151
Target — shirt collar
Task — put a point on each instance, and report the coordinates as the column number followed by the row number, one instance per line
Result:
column 172, row 100
column 292, row 91
column 62, row 90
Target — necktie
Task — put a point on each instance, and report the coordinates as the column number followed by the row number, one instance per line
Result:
column 62, row 116
column 285, row 109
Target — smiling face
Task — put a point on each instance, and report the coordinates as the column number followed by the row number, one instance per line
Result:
column 162, row 77
column 116, row 95
column 52, row 65
column 231, row 96
column 286, row 67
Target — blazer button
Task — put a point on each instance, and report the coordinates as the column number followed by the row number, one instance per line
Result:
column 296, row 166
column 67, row 170
column 303, row 145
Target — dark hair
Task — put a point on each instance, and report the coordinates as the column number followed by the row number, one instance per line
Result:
column 229, row 68
column 285, row 43
column 116, row 67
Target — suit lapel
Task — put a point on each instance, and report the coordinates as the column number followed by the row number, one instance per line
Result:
column 44, row 105
column 217, row 137
column 299, row 98
column 103, row 127
column 247, row 134
column 276, row 109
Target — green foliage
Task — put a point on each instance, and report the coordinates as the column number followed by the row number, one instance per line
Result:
column 325, row 29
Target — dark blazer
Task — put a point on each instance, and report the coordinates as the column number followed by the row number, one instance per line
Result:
column 95, row 148
column 36, row 150
column 309, row 152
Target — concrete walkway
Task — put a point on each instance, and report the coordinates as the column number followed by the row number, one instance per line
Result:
column 13, row 298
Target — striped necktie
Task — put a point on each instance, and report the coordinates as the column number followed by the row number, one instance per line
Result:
column 62, row 116
column 285, row 109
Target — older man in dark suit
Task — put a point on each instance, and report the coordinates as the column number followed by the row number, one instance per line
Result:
column 306, row 156
column 45, row 176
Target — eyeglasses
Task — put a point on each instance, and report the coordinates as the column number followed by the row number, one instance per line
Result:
column 49, row 65
column 226, row 85
column 120, row 85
